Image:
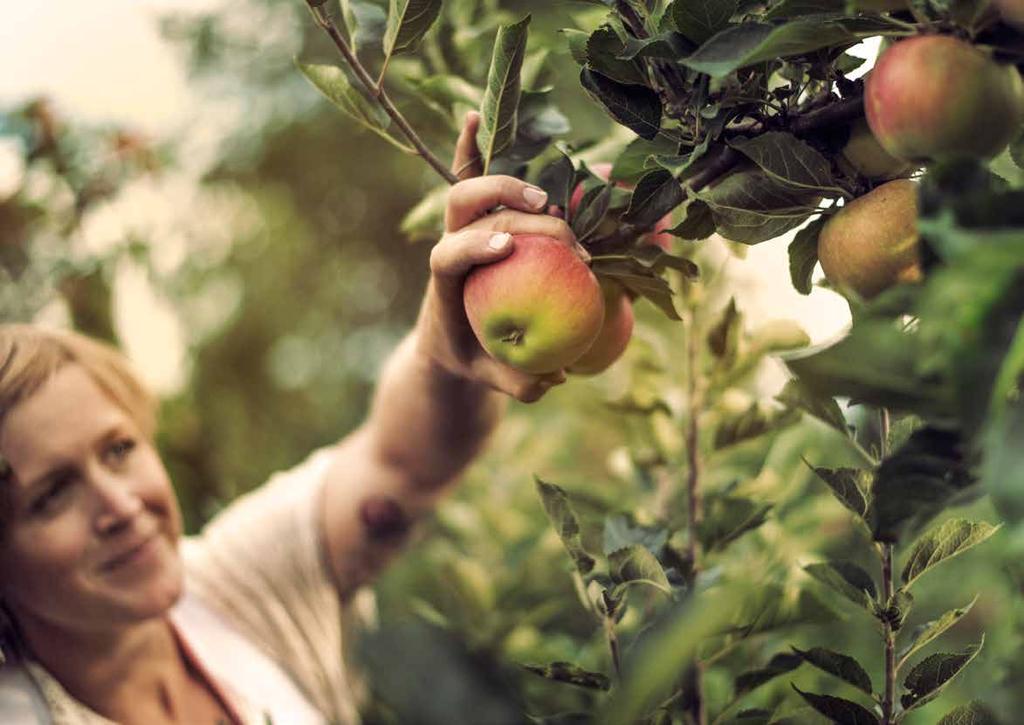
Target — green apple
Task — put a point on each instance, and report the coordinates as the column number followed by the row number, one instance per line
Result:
column 934, row 96
column 867, row 157
column 538, row 309
column 872, row 242
column 611, row 342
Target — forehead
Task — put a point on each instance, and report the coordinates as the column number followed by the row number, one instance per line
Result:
column 65, row 415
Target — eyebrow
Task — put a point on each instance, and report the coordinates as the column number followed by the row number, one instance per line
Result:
column 63, row 468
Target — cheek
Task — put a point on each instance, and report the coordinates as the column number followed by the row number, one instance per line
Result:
column 156, row 490
column 46, row 559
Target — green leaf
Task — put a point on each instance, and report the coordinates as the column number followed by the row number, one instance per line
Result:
column 848, row 579
column 558, row 179
column 425, row 221
column 753, row 422
column 636, row 563
column 408, row 22
column 443, row 93
column 638, row 108
column 697, row 224
column 657, row 259
column 656, row 194
column 973, row 713
column 844, row 667
column 928, row 678
column 620, row 530
column 570, row 674
column 724, row 337
column 849, row 485
column 944, row 542
column 803, row 255
column 787, row 159
column 822, row 407
column 698, row 20
column 919, row 480
column 335, row 85
column 593, row 209
column 779, row 664
column 577, row 42
column 896, row 609
column 603, row 49
column 631, row 164
column 639, row 280
column 726, row 518
column 556, row 505
column 498, row 110
column 929, row 631
column 840, row 711
column 739, row 46
column 750, row 207
column 667, row 45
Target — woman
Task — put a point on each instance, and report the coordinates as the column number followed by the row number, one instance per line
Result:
column 113, row 617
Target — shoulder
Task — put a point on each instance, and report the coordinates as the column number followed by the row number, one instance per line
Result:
column 21, row 703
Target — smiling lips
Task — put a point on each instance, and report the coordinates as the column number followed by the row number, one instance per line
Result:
column 128, row 555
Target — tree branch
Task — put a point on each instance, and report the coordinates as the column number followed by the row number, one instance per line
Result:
column 325, row 21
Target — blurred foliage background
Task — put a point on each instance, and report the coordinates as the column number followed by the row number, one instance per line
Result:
column 292, row 282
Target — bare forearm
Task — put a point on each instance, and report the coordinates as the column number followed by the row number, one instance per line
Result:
column 427, row 421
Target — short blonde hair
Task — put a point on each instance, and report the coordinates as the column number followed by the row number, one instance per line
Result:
column 30, row 355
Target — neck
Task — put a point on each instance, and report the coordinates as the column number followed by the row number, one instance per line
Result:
column 116, row 672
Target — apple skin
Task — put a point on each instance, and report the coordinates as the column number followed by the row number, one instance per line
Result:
column 538, row 309
column 615, row 333
column 872, row 242
column 656, row 236
column 869, row 159
column 934, row 96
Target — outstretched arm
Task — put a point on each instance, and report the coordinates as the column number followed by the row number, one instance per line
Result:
column 440, row 395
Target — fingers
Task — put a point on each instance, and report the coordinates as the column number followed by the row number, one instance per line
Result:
column 516, row 222
column 466, row 162
column 473, row 198
column 456, row 254
column 522, row 386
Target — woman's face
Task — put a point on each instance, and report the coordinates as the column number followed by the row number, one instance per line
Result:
column 91, row 539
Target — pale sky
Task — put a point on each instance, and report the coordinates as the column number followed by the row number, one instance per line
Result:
column 103, row 61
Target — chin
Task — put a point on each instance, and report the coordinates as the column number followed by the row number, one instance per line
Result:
column 155, row 591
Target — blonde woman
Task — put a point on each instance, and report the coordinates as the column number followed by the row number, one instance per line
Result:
column 111, row 615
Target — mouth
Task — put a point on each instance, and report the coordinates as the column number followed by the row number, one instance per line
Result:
column 132, row 554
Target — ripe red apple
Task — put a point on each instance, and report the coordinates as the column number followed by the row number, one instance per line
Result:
column 538, row 309
column 935, row 96
column 872, row 242
column 611, row 342
column 655, row 236
column 867, row 157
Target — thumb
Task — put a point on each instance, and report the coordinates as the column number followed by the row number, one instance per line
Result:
column 466, row 163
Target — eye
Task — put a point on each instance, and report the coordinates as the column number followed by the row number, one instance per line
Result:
column 51, row 496
column 120, row 449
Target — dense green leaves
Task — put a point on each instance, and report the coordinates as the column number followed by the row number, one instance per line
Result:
column 500, row 105
column 946, row 541
column 726, row 518
column 973, row 713
column 787, row 159
column 698, row 20
column 927, row 679
column 779, row 664
column 556, row 505
column 656, row 194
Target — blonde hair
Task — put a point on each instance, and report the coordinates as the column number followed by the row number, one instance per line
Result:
column 29, row 356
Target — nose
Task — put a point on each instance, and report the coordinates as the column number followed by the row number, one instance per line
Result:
column 117, row 503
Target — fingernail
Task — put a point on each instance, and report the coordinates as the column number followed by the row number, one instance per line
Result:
column 535, row 197
column 584, row 254
column 499, row 241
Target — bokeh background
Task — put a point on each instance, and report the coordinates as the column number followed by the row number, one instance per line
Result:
column 170, row 182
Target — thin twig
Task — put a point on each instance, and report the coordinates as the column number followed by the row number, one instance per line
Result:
column 325, row 21
column 887, row 591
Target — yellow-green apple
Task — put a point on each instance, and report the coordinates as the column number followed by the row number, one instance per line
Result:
column 867, row 157
column 935, row 96
column 538, row 309
column 611, row 342
column 657, row 236
column 872, row 242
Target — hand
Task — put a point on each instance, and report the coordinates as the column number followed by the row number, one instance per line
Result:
column 483, row 213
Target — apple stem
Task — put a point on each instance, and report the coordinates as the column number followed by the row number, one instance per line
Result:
column 376, row 90
column 514, row 336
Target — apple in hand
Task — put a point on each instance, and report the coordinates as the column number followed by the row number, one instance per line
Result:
column 538, row 309
column 611, row 342
column 935, row 96
column 656, row 236
column 872, row 242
